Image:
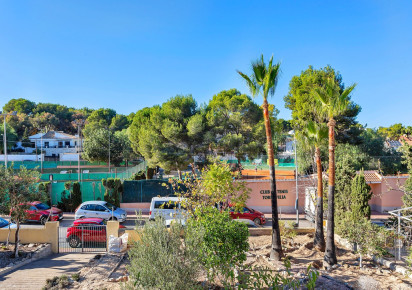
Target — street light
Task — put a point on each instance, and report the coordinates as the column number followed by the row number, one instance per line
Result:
column 78, row 122
column 4, row 114
column 292, row 132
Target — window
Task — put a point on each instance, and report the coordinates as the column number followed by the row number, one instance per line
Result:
column 110, row 206
column 32, row 208
column 42, row 206
column 89, row 207
column 99, row 207
column 67, row 143
column 165, row 204
column 3, row 223
column 46, row 144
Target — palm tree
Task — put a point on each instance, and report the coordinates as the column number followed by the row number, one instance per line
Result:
column 264, row 80
column 315, row 135
column 334, row 103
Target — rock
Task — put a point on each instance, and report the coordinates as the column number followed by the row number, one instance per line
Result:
column 316, row 264
column 30, row 246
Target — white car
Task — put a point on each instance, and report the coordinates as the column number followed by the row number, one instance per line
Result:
column 100, row 209
column 169, row 208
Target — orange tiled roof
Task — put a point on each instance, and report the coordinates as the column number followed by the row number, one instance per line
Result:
column 372, row 177
column 406, row 139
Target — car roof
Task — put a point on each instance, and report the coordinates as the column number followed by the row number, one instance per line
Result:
column 163, row 198
column 88, row 221
column 101, row 202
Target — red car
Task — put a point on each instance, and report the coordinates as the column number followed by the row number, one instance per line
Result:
column 87, row 230
column 248, row 215
column 40, row 212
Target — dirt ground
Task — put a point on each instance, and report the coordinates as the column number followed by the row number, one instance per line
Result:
column 108, row 271
column 301, row 253
column 25, row 252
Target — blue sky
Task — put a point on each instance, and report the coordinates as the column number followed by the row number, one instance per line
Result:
column 127, row 55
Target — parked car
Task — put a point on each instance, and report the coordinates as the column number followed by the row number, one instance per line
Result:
column 248, row 215
column 40, row 212
column 87, row 230
column 169, row 208
column 100, row 209
column 4, row 224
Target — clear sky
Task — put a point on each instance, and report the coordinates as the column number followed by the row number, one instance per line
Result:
column 127, row 55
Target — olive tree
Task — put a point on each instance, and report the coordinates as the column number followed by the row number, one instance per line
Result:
column 17, row 188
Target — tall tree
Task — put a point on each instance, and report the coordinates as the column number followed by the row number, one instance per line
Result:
column 18, row 187
column 11, row 138
column 101, row 118
column 316, row 134
column 335, row 103
column 360, row 195
column 235, row 118
column 98, row 144
column 302, row 101
column 264, row 79
column 20, row 105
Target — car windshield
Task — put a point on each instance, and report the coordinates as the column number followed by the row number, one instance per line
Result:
column 110, row 206
column 3, row 223
column 42, row 206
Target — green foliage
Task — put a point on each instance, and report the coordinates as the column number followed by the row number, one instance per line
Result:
column 44, row 187
column 360, row 195
column 113, row 189
column 101, row 118
column 76, row 195
column 71, row 196
column 287, row 230
column 303, row 103
column 235, row 120
column 222, row 243
column 18, row 187
column 264, row 278
column 394, row 131
column 12, row 138
column 407, row 160
column 162, row 258
column 169, row 135
column 138, row 176
column 97, row 143
column 215, row 186
column 20, row 105
column 369, row 238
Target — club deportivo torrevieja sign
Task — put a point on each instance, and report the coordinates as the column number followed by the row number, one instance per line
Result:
column 280, row 193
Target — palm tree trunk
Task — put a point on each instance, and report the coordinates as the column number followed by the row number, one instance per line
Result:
column 319, row 241
column 330, row 253
column 276, row 253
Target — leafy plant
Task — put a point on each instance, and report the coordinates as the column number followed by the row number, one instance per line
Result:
column 162, row 258
column 221, row 242
column 264, row 278
column 113, row 188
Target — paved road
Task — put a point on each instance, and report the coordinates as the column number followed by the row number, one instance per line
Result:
column 33, row 276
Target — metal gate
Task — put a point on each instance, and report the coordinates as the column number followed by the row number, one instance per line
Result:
column 83, row 238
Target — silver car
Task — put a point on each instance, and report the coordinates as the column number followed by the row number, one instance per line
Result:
column 100, row 209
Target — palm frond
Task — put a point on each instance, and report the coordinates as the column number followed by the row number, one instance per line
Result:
column 254, row 89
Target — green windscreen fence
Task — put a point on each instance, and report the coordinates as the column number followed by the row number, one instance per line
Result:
column 144, row 190
column 91, row 190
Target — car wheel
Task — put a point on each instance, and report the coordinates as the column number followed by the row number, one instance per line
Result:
column 257, row 221
column 74, row 241
column 43, row 220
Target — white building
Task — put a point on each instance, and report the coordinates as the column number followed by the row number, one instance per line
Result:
column 54, row 143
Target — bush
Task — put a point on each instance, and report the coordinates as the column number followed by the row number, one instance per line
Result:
column 161, row 260
column 222, row 243
column 113, row 188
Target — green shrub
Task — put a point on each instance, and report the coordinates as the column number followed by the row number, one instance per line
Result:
column 161, row 260
column 264, row 278
column 222, row 243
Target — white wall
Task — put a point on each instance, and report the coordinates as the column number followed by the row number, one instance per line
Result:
column 21, row 157
column 69, row 157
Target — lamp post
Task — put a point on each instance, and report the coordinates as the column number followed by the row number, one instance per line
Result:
column 78, row 122
column 4, row 114
column 292, row 132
